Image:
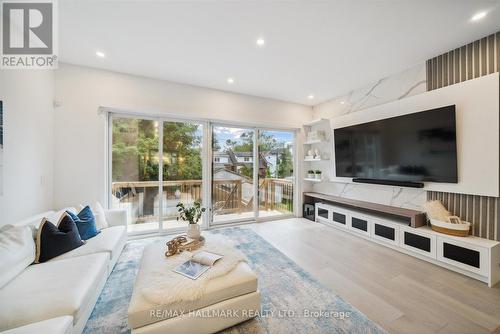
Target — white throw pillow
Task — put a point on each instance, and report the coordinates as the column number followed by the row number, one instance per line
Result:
column 100, row 216
column 17, row 251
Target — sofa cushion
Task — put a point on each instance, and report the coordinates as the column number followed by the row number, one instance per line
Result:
column 85, row 222
column 59, row 325
column 34, row 221
column 55, row 240
column 52, row 289
column 17, row 251
column 109, row 241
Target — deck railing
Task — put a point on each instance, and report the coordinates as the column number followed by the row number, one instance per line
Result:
column 141, row 198
column 276, row 194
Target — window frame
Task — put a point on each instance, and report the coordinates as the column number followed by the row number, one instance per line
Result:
column 207, row 163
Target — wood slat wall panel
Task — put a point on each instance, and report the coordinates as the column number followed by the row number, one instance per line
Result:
column 457, row 66
column 470, row 61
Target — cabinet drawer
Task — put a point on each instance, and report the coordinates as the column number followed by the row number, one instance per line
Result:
column 323, row 213
column 339, row 217
column 360, row 224
column 416, row 241
column 385, row 231
column 463, row 255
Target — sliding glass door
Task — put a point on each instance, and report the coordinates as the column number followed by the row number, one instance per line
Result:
column 252, row 173
column 276, row 173
column 233, row 179
column 155, row 164
column 182, row 169
column 135, row 171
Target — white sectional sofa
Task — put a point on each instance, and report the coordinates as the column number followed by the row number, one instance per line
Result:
column 58, row 296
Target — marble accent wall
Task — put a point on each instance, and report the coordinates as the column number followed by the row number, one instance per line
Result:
column 395, row 87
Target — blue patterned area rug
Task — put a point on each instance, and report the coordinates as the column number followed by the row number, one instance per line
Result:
column 292, row 300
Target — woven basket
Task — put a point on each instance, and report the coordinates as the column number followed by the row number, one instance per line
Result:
column 459, row 230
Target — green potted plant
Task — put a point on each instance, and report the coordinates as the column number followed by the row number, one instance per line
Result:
column 310, row 174
column 318, row 174
column 192, row 215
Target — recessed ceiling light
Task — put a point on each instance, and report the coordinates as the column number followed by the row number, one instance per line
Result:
column 342, row 102
column 260, row 41
column 230, row 81
column 478, row 16
column 100, row 54
column 310, row 96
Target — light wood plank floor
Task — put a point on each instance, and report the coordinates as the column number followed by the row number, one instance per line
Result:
column 401, row 293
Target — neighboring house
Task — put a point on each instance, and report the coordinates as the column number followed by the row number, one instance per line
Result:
column 234, row 161
column 231, row 158
column 244, row 157
column 220, row 158
column 271, row 159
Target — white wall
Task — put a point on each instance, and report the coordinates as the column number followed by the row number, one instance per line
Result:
column 27, row 97
column 79, row 136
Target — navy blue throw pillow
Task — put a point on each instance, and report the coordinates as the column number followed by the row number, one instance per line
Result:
column 54, row 240
column 85, row 222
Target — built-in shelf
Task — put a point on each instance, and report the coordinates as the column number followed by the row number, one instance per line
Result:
column 317, row 141
column 315, row 159
column 312, row 180
column 315, row 122
column 318, row 132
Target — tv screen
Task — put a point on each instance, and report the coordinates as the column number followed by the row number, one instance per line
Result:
column 416, row 147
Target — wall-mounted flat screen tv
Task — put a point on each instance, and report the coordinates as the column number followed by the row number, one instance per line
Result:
column 416, row 147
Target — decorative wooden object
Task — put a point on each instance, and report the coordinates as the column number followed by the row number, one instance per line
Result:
column 414, row 218
column 183, row 243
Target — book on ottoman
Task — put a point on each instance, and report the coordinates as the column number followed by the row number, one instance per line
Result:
column 198, row 264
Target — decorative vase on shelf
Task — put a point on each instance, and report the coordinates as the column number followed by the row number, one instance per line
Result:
column 193, row 231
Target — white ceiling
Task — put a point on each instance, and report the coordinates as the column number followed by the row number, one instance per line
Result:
column 321, row 47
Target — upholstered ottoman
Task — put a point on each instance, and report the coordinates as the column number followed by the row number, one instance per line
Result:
column 227, row 300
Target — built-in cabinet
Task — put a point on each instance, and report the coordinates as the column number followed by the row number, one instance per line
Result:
column 475, row 257
column 360, row 224
column 385, row 231
column 418, row 240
